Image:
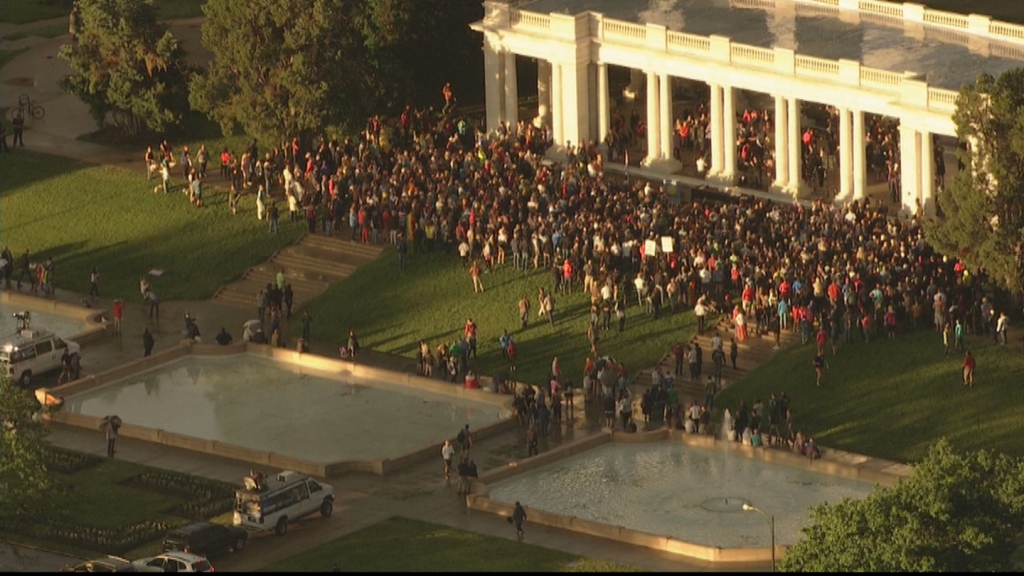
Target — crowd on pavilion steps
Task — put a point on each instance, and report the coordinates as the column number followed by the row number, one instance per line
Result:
column 431, row 180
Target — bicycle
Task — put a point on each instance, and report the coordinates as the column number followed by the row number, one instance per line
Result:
column 26, row 108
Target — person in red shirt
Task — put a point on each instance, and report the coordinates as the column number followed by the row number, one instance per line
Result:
column 890, row 323
column 969, row 364
column 865, row 326
column 118, row 314
column 821, row 340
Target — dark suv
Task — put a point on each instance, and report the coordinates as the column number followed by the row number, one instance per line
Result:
column 205, row 539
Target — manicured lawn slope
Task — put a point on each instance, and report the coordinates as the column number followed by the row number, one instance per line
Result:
column 894, row 399
column 404, row 545
column 84, row 215
column 392, row 310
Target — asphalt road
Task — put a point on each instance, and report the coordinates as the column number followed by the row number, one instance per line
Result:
column 15, row 558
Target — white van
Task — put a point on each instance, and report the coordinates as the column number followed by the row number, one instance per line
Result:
column 267, row 503
column 30, row 352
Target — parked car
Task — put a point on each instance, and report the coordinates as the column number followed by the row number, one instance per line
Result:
column 205, row 538
column 108, row 564
column 173, row 562
column 32, row 352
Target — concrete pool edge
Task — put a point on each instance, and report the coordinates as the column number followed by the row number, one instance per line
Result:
column 833, row 462
column 94, row 326
column 343, row 368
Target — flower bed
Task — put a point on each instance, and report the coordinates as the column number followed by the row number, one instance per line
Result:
column 105, row 540
column 204, row 497
column 68, row 461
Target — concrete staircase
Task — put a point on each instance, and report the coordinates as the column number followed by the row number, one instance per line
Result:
column 310, row 265
column 755, row 351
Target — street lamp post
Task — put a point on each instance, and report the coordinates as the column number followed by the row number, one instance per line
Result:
column 771, row 524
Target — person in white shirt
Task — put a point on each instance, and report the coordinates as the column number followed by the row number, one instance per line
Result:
column 447, row 454
column 1001, row 327
column 700, row 311
column 716, row 342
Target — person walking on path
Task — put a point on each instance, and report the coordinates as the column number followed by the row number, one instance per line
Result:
column 119, row 306
column 353, row 345
column 447, row 454
column 94, row 283
column 154, row 303
column 518, row 517
column 969, row 365
column 700, row 311
column 110, row 427
column 531, row 442
column 147, row 342
column 19, row 130
column 465, row 439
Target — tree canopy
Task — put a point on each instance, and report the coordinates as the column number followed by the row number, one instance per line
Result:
column 956, row 512
column 128, row 67
column 297, row 67
column 24, row 480
column 983, row 209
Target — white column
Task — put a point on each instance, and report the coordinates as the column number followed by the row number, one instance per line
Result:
column 795, row 146
column 781, row 143
column 715, row 123
column 859, row 157
column 557, row 117
column 574, row 93
column 729, row 130
column 846, row 144
column 653, row 121
column 492, row 84
column 667, row 119
column 543, row 94
column 927, row 174
column 511, row 91
column 910, row 159
column 603, row 111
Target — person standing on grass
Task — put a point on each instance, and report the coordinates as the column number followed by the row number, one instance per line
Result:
column 819, row 366
column 307, row 323
column 969, row 365
column 958, row 335
column 1002, row 326
column 524, row 311
column 474, row 273
column 272, row 216
column 165, row 176
column 147, row 342
column 947, row 336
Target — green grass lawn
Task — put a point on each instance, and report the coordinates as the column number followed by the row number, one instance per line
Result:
column 392, row 310
column 893, row 399
column 404, row 545
column 84, row 215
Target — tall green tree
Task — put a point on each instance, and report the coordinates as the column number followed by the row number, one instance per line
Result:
column 128, row 67
column 983, row 209
column 25, row 485
column 956, row 512
column 284, row 67
column 301, row 67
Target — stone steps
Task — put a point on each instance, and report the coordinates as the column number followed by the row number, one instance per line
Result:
column 310, row 265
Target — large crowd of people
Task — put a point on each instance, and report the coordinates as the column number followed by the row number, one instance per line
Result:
column 431, row 180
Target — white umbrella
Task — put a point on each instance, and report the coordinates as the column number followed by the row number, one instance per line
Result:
column 252, row 324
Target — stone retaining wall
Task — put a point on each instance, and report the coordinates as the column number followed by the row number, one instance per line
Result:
column 340, row 369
